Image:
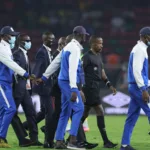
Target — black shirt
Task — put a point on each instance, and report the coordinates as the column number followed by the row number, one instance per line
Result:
column 92, row 65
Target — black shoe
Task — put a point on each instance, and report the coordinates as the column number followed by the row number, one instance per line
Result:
column 75, row 146
column 60, row 145
column 37, row 143
column 43, row 129
column 88, row 145
column 49, row 145
column 25, row 142
column 127, row 148
column 109, row 144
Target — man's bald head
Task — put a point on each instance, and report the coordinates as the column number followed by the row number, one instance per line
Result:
column 61, row 43
column 69, row 38
column 48, row 38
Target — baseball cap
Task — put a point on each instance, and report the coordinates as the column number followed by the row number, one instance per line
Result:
column 145, row 31
column 80, row 30
column 8, row 30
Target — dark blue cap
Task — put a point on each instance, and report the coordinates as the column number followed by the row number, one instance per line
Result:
column 145, row 31
column 8, row 30
column 80, row 30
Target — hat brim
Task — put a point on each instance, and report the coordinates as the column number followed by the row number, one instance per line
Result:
column 14, row 33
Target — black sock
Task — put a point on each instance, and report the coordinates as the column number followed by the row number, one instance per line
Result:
column 101, row 126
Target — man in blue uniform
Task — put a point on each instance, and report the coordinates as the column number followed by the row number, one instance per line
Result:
column 69, row 77
column 7, row 69
column 138, row 86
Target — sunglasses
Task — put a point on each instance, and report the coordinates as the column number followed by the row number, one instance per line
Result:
column 26, row 40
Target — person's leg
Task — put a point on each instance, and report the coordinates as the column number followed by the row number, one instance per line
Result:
column 8, row 109
column 101, row 122
column 78, row 109
column 133, row 114
column 56, row 114
column 49, row 110
column 30, row 116
column 64, row 115
column 81, row 135
column 17, row 124
column 87, row 109
column 39, row 116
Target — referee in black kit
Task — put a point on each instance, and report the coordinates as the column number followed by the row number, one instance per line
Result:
column 94, row 74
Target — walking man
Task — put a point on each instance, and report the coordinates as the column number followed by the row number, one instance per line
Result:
column 138, row 86
column 95, row 73
column 8, row 67
column 21, row 89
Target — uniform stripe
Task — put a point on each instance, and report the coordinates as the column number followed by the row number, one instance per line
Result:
column 4, row 96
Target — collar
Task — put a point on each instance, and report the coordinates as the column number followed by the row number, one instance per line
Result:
column 5, row 43
column 49, row 49
column 78, row 44
column 24, row 51
column 142, row 44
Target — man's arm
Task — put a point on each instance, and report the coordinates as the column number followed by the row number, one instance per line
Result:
column 138, row 60
column 39, row 60
column 5, row 59
column 54, row 66
column 73, row 65
column 107, row 82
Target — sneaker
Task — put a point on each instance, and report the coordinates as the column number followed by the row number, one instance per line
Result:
column 88, row 145
column 60, row 145
column 3, row 144
column 75, row 146
column 127, row 148
column 109, row 144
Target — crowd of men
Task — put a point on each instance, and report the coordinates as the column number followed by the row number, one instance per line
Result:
column 68, row 83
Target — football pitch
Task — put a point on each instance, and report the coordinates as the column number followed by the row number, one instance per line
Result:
column 114, row 126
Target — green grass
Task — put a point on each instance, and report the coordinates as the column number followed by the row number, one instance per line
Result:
column 114, row 126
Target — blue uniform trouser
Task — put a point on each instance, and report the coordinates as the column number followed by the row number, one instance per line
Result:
column 67, row 107
column 135, row 106
column 7, row 108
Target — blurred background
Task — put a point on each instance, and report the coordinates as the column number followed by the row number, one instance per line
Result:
column 117, row 22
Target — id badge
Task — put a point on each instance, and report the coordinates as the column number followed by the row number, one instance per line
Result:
column 28, row 84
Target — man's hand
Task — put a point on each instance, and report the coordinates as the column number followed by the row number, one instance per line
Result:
column 32, row 77
column 145, row 96
column 83, row 96
column 113, row 90
column 38, row 81
column 73, row 96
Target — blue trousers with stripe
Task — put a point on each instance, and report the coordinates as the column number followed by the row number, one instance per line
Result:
column 7, row 108
column 135, row 106
column 67, row 107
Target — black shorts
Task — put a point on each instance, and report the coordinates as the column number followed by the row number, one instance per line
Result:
column 92, row 96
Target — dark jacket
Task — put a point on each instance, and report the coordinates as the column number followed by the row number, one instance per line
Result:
column 41, row 63
column 19, row 84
